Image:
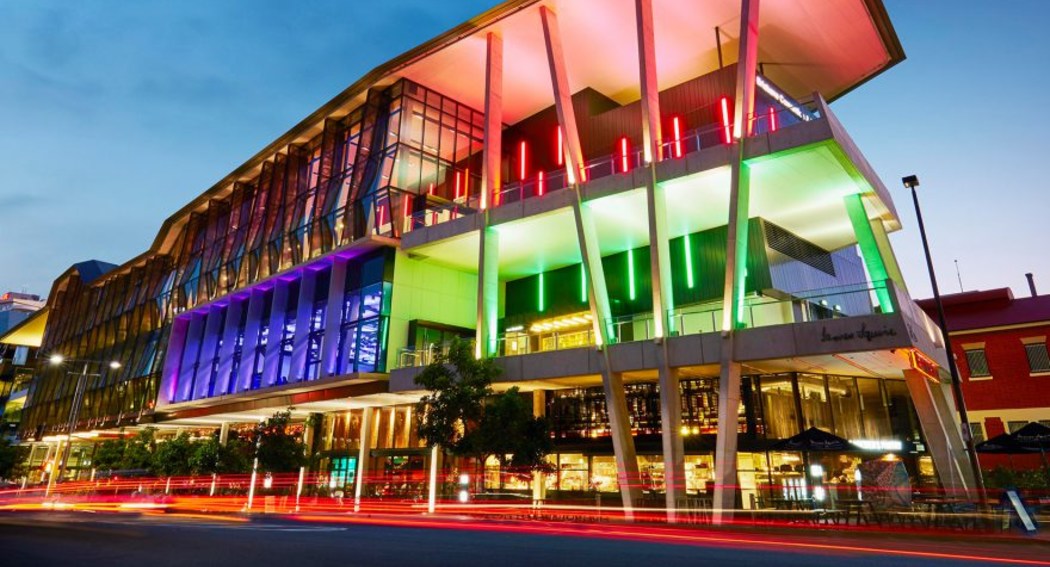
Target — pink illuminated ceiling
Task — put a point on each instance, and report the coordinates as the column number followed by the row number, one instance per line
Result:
column 804, row 45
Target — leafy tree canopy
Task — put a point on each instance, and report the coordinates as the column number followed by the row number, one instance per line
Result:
column 278, row 449
column 12, row 459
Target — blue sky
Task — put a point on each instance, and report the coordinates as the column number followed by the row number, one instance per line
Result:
column 115, row 114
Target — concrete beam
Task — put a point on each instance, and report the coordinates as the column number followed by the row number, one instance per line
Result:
column 940, row 432
column 304, row 310
column 562, row 95
column 334, row 317
column 652, row 137
column 487, row 332
column 226, row 379
column 252, row 325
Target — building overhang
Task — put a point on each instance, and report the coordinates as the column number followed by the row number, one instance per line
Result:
column 29, row 332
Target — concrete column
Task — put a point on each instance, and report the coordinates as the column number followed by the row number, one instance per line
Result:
column 869, row 250
column 562, row 95
column 190, row 354
column 363, row 450
column 213, row 325
column 303, row 314
column 434, row 474
column 256, row 308
column 224, row 433
column 334, row 317
column 493, row 137
column 487, row 332
column 224, row 381
column 736, row 267
column 539, row 409
column 671, row 435
column 940, row 432
column 278, row 306
column 627, row 474
column 651, row 131
column 747, row 64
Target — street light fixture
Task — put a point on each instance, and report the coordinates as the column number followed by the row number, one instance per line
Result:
column 57, row 359
column 911, row 182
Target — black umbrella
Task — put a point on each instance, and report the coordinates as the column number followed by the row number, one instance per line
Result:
column 815, row 440
column 1035, row 437
column 1004, row 444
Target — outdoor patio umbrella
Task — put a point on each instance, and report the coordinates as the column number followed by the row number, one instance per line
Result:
column 1035, row 437
column 815, row 440
column 1003, row 444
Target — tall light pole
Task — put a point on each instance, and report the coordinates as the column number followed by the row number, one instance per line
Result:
column 74, row 411
column 911, row 182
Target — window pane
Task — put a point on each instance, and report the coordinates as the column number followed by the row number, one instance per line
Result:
column 977, row 362
column 1038, row 359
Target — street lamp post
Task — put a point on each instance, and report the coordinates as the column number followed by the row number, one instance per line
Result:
column 74, row 412
column 911, row 182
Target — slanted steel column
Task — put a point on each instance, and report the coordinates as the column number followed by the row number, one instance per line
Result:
column 612, row 382
column 252, row 325
column 225, row 380
column 304, row 310
column 869, row 250
column 660, row 262
column 736, row 271
column 334, row 317
column 486, row 337
column 941, row 432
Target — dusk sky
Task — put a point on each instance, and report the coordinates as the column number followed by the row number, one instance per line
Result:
column 115, row 114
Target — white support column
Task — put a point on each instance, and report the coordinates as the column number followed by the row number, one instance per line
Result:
column 256, row 308
column 225, row 380
column 432, row 485
column 652, row 137
column 612, row 382
column 213, row 325
column 278, row 307
column 224, row 433
column 671, row 436
column 363, row 450
column 486, row 339
column 304, row 311
column 942, row 431
column 539, row 409
column 190, row 352
column 490, row 173
column 334, row 317
column 736, row 272
column 562, row 95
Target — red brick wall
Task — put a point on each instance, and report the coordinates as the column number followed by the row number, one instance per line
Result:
column 1011, row 386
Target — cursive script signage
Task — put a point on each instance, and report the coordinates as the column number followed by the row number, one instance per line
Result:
column 861, row 333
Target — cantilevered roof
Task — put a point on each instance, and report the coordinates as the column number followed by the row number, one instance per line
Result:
column 805, row 46
column 28, row 332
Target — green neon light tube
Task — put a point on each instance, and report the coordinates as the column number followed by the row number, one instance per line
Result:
column 583, row 283
column 689, row 262
column 540, row 303
column 630, row 274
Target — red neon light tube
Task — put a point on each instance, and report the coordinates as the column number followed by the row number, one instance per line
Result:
column 521, row 161
column 624, row 165
column 725, row 120
column 772, row 120
column 539, row 184
column 676, row 123
column 561, row 148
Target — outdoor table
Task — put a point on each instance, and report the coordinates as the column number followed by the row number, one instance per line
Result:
column 861, row 510
column 938, row 509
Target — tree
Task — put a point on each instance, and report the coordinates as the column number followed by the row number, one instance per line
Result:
column 509, row 432
column 277, row 448
column 461, row 414
column 172, row 457
column 109, row 454
column 138, row 451
column 457, row 384
column 12, row 459
column 210, row 457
